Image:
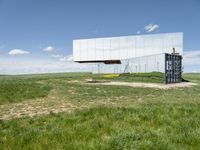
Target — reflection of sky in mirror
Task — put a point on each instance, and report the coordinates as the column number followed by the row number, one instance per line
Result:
column 127, row 46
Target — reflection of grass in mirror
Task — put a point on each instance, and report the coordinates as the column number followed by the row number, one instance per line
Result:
column 153, row 77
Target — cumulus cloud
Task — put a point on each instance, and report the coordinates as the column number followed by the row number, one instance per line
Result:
column 56, row 56
column 18, row 52
column 191, row 57
column 151, row 27
column 50, row 49
column 192, row 54
column 138, row 32
column 67, row 58
column 191, row 61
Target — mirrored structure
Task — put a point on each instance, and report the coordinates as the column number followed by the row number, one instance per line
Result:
column 137, row 53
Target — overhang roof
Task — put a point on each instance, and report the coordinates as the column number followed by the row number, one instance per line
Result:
column 101, row 61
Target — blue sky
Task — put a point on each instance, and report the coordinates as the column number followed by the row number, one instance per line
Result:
column 41, row 31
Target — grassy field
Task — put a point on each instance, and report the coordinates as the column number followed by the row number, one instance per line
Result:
column 17, row 89
column 60, row 111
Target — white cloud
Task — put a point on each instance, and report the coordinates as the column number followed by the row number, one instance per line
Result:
column 50, row 49
column 56, row 56
column 191, row 57
column 192, row 54
column 67, row 58
column 151, row 27
column 138, row 32
column 191, row 61
column 18, row 52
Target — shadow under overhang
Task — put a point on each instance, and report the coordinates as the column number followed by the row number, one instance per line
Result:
column 101, row 61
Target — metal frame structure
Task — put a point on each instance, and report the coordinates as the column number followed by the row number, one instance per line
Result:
column 173, row 68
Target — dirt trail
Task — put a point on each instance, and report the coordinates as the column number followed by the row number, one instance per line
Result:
column 51, row 104
column 32, row 108
column 148, row 85
column 36, row 108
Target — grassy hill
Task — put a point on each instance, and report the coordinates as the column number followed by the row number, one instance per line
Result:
column 59, row 111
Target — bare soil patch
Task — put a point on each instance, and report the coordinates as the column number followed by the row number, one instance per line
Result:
column 147, row 85
column 43, row 106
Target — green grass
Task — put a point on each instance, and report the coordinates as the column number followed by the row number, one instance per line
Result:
column 153, row 77
column 148, row 126
column 192, row 76
column 15, row 89
column 23, row 87
column 140, row 118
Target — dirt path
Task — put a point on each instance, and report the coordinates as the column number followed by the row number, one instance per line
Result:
column 32, row 108
column 51, row 104
column 38, row 107
column 149, row 85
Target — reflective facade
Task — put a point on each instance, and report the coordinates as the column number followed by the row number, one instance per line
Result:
column 139, row 64
column 126, row 47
